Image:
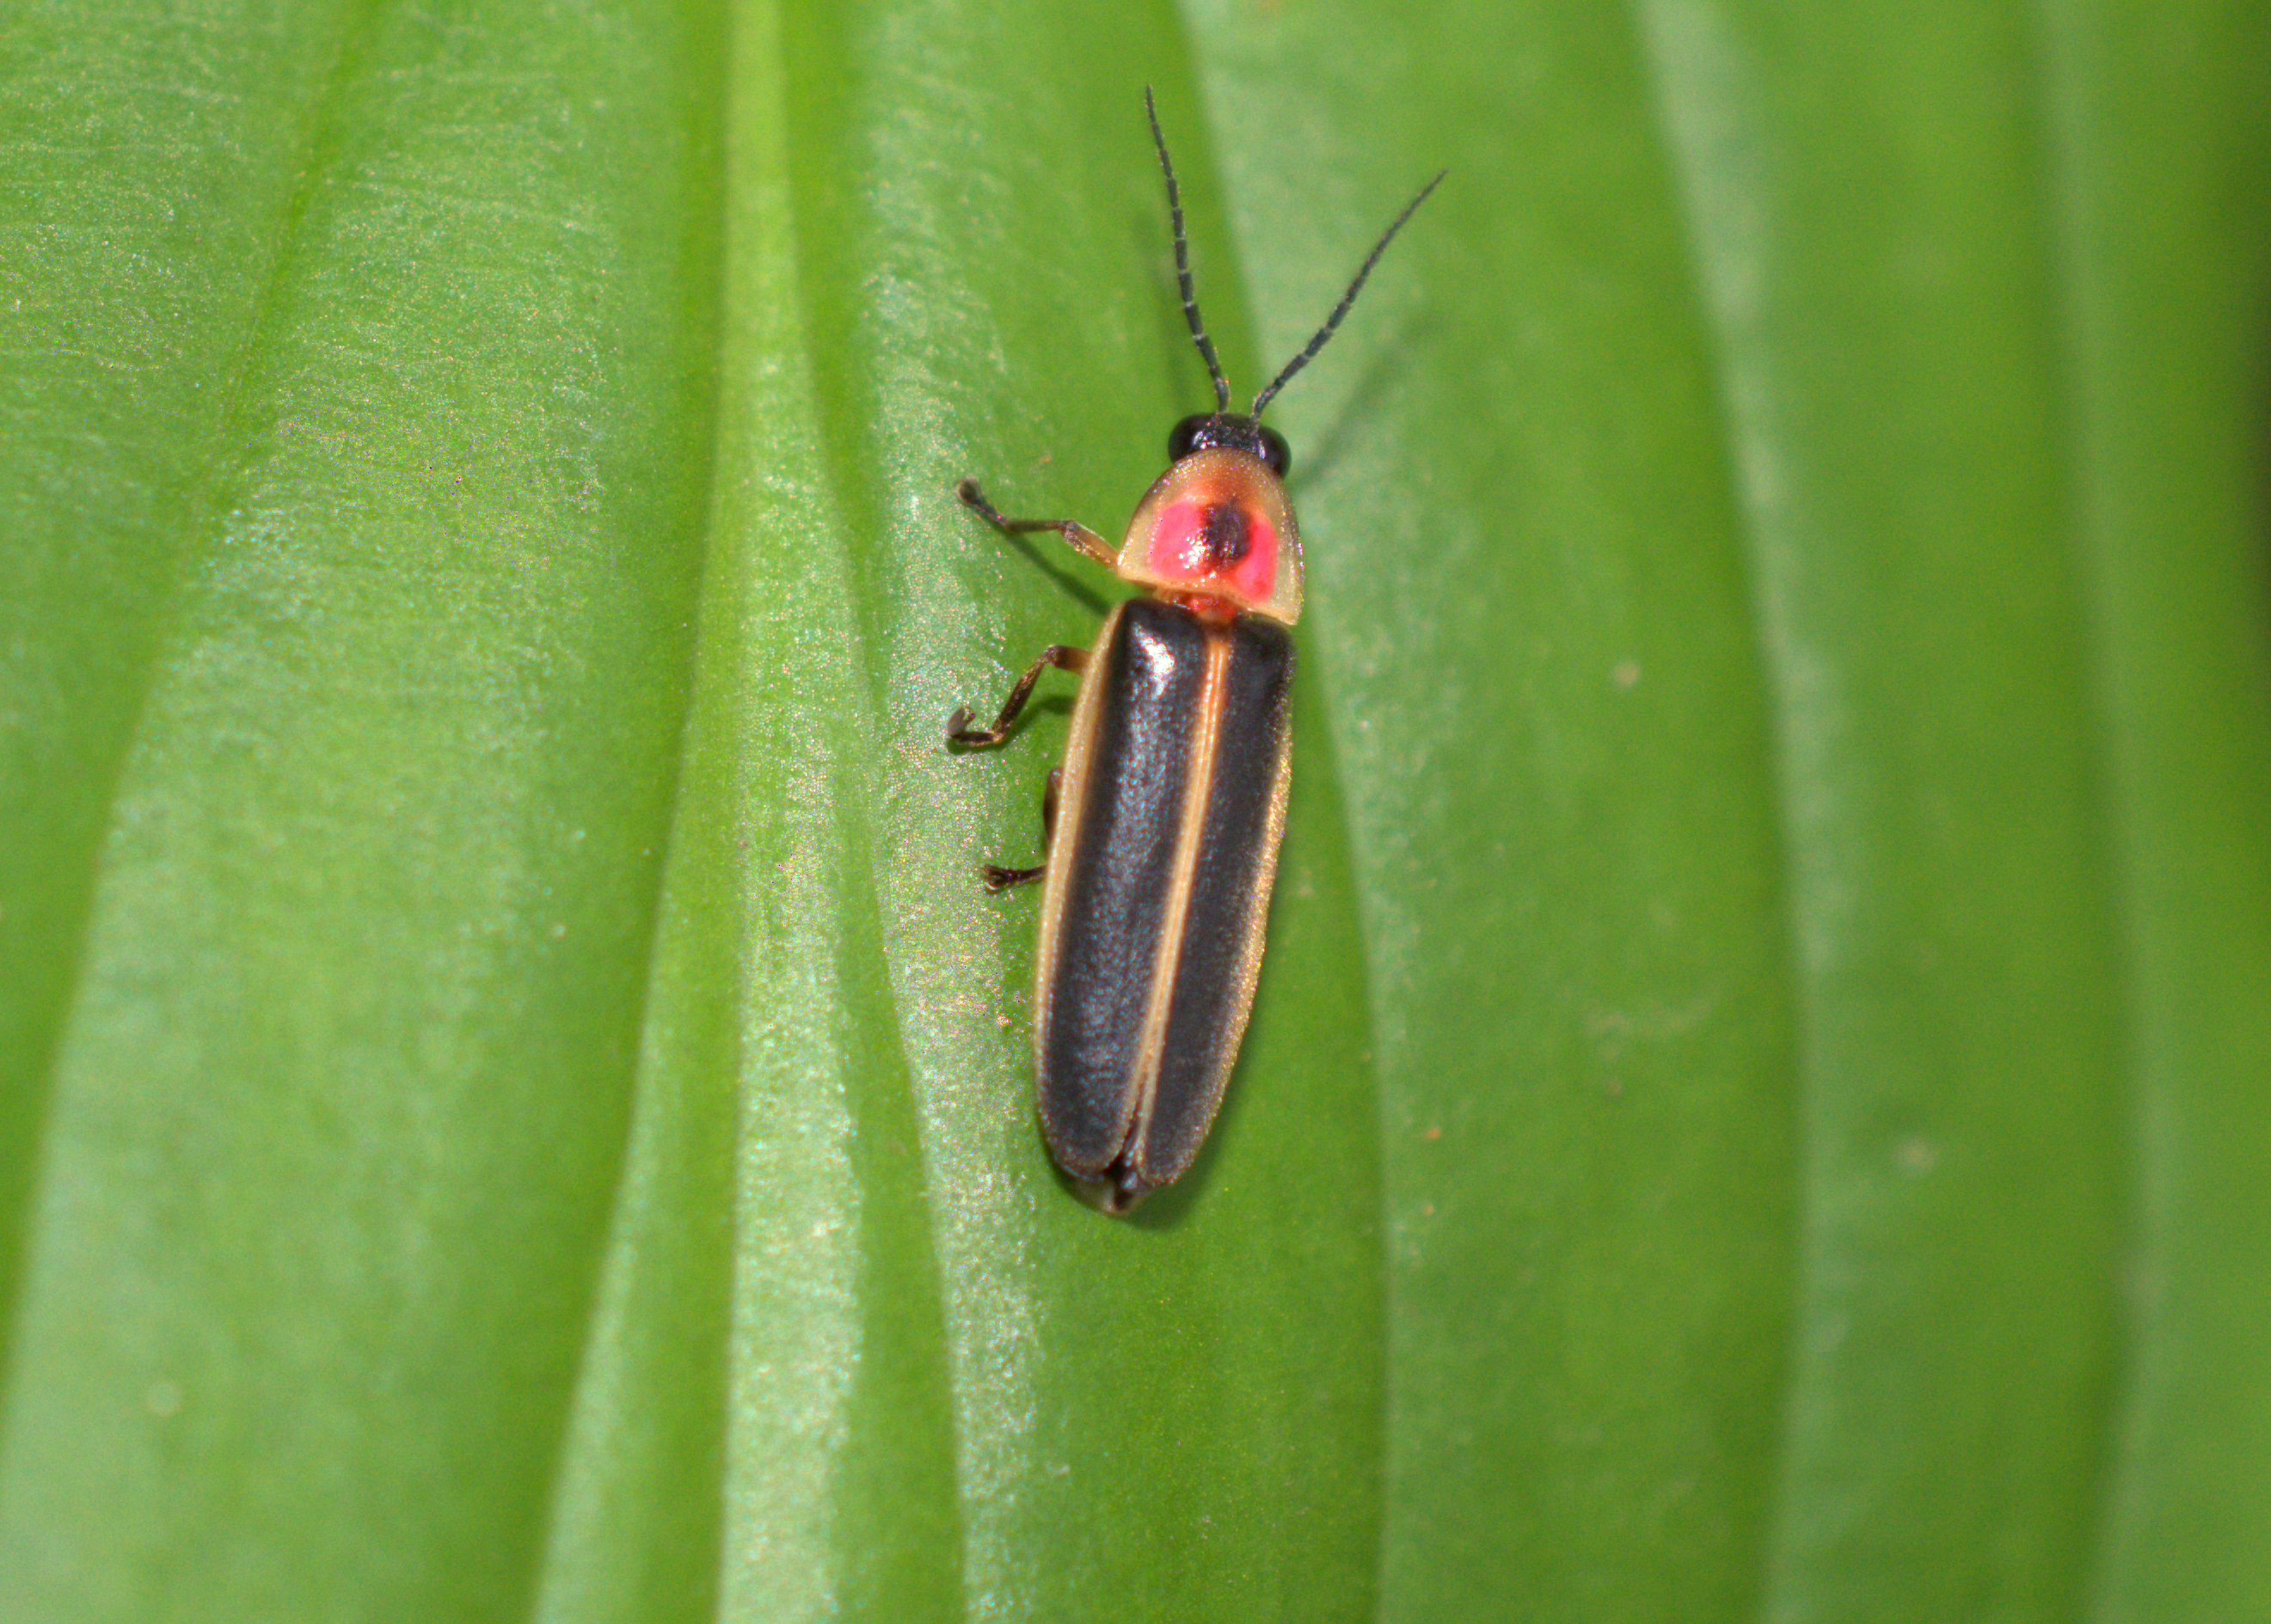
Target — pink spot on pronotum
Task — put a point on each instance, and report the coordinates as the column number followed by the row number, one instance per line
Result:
column 1181, row 551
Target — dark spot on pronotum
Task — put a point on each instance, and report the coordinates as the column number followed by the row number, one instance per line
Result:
column 1227, row 534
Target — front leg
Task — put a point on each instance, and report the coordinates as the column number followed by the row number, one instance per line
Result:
column 1078, row 534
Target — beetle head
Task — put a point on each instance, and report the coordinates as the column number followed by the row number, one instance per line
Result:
column 1209, row 429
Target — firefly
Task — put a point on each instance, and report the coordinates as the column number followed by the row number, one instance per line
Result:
column 1161, row 827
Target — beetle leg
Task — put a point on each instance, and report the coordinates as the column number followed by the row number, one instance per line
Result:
column 958, row 730
column 1078, row 534
column 999, row 879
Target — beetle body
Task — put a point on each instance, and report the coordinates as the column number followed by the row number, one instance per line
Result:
column 1158, row 882
column 1165, row 820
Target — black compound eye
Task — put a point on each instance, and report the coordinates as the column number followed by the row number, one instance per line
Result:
column 1276, row 456
column 1183, row 439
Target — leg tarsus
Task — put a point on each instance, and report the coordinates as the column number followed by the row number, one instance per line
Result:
column 998, row 878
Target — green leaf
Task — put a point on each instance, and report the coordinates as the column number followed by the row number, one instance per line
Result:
column 512, row 1104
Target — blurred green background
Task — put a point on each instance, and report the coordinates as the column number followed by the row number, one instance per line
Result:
column 513, row 1105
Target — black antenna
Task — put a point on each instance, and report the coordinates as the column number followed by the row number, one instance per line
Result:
column 1183, row 268
column 1340, row 310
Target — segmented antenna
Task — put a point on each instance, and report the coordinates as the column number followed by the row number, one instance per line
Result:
column 1347, row 299
column 1183, row 266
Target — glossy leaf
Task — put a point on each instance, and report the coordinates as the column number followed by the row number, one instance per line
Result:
column 510, row 1102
